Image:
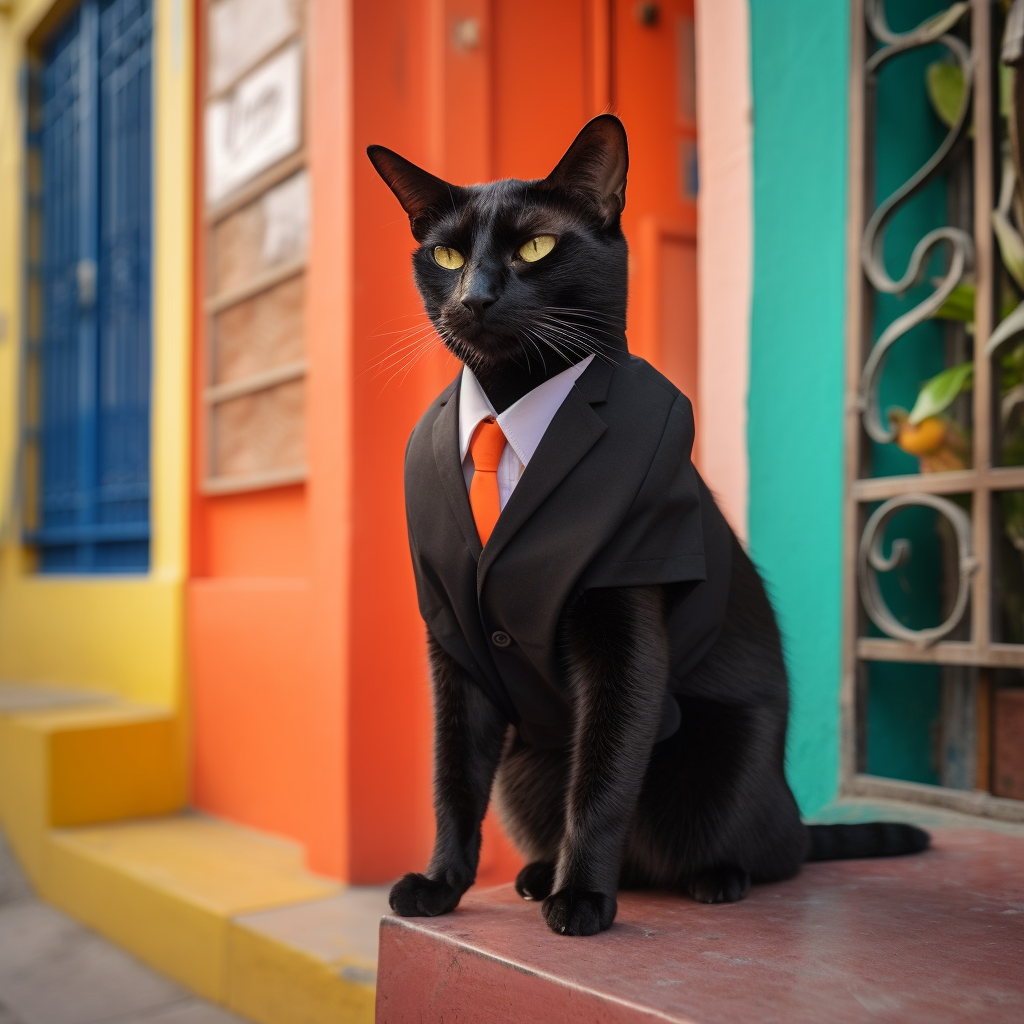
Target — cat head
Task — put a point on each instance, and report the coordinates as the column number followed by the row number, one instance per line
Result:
column 521, row 273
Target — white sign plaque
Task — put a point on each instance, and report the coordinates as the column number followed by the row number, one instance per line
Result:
column 242, row 32
column 258, row 123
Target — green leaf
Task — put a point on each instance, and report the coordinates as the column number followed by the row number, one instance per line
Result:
column 1011, row 367
column 939, row 392
column 959, row 304
column 945, row 81
column 1011, row 246
column 1009, row 327
column 1005, row 90
column 1008, row 300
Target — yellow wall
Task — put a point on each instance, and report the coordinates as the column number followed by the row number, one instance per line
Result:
column 121, row 634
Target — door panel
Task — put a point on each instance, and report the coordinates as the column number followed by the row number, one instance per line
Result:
column 655, row 95
column 540, row 95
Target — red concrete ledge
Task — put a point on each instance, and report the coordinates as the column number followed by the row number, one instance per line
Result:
column 937, row 937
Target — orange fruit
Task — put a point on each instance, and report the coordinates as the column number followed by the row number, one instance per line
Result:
column 922, row 438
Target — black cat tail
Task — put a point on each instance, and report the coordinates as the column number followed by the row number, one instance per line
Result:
column 872, row 839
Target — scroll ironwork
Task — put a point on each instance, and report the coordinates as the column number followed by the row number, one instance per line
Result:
column 959, row 243
column 871, row 560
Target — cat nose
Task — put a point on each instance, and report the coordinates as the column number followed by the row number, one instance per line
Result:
column 478, row 303
column 479, row 295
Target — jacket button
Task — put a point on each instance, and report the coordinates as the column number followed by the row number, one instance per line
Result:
column 500, row 639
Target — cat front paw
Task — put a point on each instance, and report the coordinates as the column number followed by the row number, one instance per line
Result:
column 579, row 912
column 536, row 880
column 419, row 896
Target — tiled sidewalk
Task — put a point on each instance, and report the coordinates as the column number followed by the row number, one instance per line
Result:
column 54, row 971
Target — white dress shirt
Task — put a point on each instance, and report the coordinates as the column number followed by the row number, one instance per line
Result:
column 523, row 423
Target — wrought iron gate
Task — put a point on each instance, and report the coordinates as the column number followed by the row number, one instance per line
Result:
column 934, row 535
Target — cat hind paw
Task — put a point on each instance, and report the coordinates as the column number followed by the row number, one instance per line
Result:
column 722, row 884
column 419, row 896
column 536, row 880
column 579, row 911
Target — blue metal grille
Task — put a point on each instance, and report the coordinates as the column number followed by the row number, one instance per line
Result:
column 93, row 429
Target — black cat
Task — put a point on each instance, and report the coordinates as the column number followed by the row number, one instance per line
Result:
column 609, row 662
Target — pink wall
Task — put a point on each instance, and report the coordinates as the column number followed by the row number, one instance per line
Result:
column 724, row 249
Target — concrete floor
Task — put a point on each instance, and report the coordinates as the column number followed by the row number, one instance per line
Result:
column 54, row 971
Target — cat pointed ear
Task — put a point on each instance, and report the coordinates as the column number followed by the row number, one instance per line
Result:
column 421, row 194
column 595, row 166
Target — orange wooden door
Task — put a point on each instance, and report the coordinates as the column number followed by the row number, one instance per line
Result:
column 638, row 61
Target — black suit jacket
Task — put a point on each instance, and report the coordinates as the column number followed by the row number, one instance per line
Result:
column 610, row 498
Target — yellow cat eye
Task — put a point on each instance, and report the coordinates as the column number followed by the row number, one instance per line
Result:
column 445, row 256
column 537, row 248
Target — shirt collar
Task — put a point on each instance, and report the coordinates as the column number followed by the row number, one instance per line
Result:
column 523, row 423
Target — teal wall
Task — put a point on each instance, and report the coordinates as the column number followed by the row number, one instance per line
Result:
column 799, row 71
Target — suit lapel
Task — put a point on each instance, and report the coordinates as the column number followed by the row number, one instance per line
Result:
column 573, row 431
column 449, row 467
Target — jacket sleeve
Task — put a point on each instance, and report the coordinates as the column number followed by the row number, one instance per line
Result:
column 661, row 538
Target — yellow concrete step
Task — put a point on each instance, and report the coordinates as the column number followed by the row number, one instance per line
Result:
column 69, row 757
column 315, row 963
column 226, row 911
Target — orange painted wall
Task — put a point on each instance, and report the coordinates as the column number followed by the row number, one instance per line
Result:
column 268, row 568
column 310, row 692
column 388, row 752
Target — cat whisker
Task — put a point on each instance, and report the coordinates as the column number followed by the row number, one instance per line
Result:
column 408, row 369
column 581, row 339
column 399, row 352
column 567, row 329
column 526, row 353
column 578, row 321
column 564, row 343
column 405, row 366
column 578, row 343
column 532, row 341
column 583, row 320
column 378, row 330
column 405, row 348
column 579, row 309
column 407, row 339
column 398, row 362
column 404, row 330
column 462, row 352
column 589, row 314
column 407, row 332
column 566, row 354
column 582, row 327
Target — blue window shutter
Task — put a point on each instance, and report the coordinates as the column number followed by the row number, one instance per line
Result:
column 94, row 353
column 61, row 485
column 124, row 307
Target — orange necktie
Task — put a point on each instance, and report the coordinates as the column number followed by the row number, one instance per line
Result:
column 486, row 447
